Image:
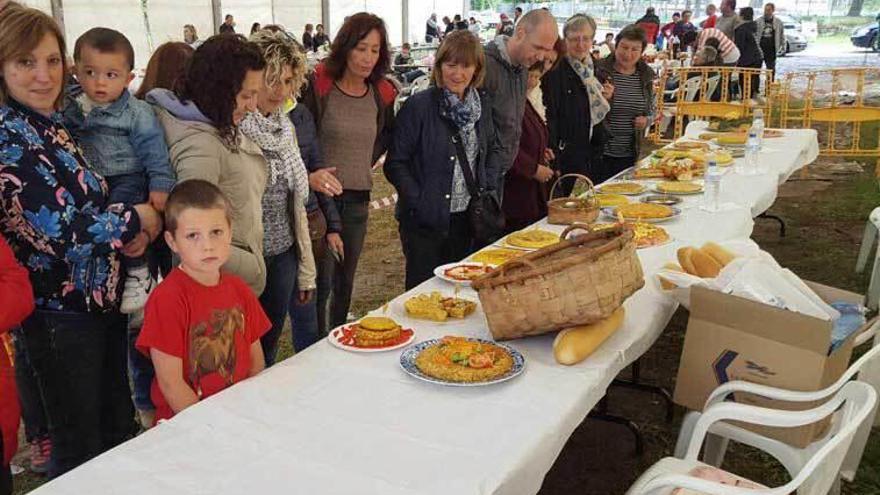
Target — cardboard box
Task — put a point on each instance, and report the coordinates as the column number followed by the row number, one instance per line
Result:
column 732, row 338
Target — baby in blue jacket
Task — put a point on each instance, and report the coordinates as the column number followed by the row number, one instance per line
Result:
column 120, row 137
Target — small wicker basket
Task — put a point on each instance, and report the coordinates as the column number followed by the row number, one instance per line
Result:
column 577, row 281
column 571, row 210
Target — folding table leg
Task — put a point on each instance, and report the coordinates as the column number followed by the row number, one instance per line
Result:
column 636, row 384
column 600, row 413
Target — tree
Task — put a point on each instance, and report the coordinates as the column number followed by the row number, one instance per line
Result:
column 855, row 8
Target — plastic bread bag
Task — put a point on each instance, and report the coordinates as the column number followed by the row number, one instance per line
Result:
column 754, row 275
column 744, row 250
column 765, row 282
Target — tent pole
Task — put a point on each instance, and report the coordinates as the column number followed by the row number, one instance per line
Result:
column 404, row 10
column 58, row 13
column 217, row 10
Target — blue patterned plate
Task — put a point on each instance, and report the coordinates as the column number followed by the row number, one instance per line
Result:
column 408, row 363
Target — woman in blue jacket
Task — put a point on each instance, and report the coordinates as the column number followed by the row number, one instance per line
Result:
column 433, row 128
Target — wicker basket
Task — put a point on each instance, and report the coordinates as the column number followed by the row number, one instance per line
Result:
column 574, row 282
column 570, row 210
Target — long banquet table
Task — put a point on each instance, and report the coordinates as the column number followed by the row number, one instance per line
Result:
column 333, row 422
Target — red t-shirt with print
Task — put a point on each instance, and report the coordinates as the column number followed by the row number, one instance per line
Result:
column 210, row 328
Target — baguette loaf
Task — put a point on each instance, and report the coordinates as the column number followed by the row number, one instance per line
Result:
column 684, row 259
column 718, row 253
column 575, row 344
column 705, row 265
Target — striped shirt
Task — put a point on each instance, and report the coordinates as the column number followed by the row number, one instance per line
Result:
column 729, row 51
column 627, row 103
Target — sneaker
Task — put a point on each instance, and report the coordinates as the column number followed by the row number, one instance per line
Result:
column 138, row 285
column 147, row 418
column 41, row 451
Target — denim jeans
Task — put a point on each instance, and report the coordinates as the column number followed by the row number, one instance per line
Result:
column 304, row 322
column 281, row 272
column 140, row 373
column 130, row 189
column 33, row 414
column 79, row 362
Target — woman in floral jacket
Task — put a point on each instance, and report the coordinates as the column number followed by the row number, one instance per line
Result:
column 55, row 216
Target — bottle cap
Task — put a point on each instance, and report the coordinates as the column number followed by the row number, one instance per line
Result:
column 713, row 163
column 753, row 134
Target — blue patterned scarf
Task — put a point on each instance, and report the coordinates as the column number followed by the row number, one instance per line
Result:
column 599, row 106
column 464, row 114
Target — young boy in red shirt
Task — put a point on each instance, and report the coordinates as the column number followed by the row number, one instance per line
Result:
column 202, row 327
column 16, row 303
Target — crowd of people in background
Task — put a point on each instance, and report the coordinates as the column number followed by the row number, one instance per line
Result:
column 241, row 176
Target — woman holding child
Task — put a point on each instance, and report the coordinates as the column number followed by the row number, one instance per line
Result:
column 286, row 242
column 55, row 214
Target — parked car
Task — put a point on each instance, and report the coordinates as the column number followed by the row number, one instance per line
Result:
column 866, row 37
column 795, row 41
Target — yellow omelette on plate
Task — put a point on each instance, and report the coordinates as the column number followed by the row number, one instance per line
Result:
column 679, row 187
column 532, row 239
column 611, row 200
column 628, row 188
column 496, row 256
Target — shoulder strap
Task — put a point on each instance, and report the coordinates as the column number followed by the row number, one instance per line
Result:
column 466, row 171
column 463, row 163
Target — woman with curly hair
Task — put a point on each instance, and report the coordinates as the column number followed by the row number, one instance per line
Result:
column 201, row 119
column 353, row 106
column 286, row 243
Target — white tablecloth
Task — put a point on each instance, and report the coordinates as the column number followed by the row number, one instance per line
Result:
column 332, row 422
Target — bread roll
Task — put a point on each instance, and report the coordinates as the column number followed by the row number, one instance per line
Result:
column 575, row 344
column 666, row 284
column 718, row 253
column 705, row 265
column 684, row 259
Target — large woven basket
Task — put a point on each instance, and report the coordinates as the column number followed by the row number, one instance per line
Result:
column 574, row 282
column 570, row 210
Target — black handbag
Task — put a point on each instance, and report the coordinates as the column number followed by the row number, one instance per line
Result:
column 484, row 210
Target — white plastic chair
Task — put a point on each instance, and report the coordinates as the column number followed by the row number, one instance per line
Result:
column 691, row 86
column 712, row 85
column 868, row 240
column 792, row 458
column 854, row 404
column 419, row 84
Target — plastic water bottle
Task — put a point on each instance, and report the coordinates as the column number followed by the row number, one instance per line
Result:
column 758, row 127
column 753, row 149
column 712, row 187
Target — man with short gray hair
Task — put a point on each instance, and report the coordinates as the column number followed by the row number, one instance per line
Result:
column 507, row 61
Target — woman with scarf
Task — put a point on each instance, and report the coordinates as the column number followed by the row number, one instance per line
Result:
column 444, row 138
column 576, row 104
column 287, row 249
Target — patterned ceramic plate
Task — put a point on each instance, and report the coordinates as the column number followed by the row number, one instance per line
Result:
column 408, row 363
